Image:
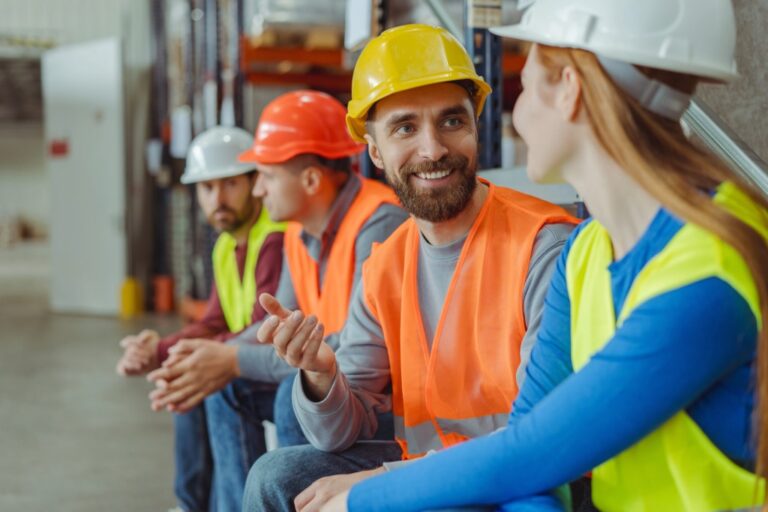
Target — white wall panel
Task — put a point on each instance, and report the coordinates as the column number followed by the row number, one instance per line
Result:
column 83, row 95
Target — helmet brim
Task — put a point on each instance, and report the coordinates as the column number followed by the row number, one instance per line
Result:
column 709, row 72
column 187, row 179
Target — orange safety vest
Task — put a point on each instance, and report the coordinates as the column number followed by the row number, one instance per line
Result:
column 330, row 304
column 465, row 385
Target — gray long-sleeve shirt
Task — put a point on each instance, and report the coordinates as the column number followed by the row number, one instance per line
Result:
column 260, row 362
column 361, row 388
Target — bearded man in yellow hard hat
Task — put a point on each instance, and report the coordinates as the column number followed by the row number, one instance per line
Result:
column 433, row 333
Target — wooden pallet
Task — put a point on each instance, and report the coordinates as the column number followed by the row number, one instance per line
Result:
column 293, row 36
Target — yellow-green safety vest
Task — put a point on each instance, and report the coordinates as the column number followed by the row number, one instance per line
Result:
column 238, row 297
column 676, row 467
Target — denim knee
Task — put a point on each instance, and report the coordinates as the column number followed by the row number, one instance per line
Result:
column 266, row 486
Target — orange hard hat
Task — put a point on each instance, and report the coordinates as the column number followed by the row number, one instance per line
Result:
column 301, row 122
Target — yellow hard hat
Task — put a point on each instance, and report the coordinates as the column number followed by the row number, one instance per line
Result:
column 403, row 58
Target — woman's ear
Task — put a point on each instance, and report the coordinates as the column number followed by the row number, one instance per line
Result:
column 569, row 95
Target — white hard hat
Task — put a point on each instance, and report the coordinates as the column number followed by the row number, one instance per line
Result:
column 696, row 37
column 213, row 155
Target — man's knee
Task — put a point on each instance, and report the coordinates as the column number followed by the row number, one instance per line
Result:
column 272, row 480
column 265, row 471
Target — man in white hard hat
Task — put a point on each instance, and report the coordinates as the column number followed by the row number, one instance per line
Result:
column 247, row 259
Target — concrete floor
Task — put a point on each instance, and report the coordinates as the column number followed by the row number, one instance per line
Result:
column 74, row 436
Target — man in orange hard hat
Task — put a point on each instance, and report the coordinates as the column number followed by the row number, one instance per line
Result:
column 302, row 152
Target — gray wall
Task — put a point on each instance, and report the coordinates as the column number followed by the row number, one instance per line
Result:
column 743, row 104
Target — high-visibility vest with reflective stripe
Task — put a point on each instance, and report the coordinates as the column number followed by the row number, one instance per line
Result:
column 238, row 296
column 464, row 385
column 330, row 303
column 676, row 467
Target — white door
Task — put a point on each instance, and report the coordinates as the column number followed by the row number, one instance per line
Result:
column 83, row 109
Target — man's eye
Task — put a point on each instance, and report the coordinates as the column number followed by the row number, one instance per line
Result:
column 405, row 129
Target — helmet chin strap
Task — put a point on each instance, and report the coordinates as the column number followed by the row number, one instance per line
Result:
column 653, row 95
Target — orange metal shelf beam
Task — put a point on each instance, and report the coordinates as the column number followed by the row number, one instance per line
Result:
column 325, row 81
column 511, row 63
column 249, row 55
column 337, row 79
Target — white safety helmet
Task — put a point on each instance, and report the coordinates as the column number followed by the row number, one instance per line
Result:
column 696, row 37
column 213, row 155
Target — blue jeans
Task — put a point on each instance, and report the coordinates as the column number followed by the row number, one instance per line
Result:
column 194, row 465
column 289, row 431
column 279, row 476
column 218, row 442
column 236, row 436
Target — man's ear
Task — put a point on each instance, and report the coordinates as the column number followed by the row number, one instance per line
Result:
column 373, row 152
column 311, row 178
column 569, row 96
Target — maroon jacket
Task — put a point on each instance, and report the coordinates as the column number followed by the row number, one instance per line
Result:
column 213, row 325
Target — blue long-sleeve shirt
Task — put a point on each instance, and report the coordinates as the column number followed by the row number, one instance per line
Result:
column 691, row 348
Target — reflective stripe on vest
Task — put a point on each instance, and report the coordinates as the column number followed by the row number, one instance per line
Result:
column 464, row 386
column 237, row 297
column 676, row 467
column 331, row 304
column 422, row 438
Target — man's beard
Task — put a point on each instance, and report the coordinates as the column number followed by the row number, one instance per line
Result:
column 238, row 218
column 436, row 204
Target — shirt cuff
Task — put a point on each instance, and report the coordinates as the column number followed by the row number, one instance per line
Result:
column 331, row 404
